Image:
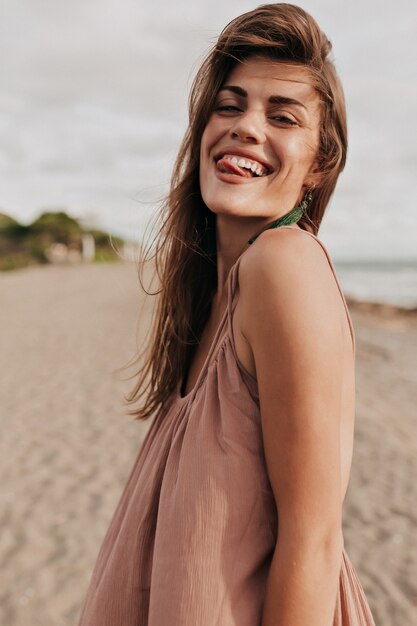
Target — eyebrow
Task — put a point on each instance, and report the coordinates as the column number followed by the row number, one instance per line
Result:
column 273, row 99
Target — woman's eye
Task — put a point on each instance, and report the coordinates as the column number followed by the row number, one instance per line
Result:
column 282, row 119
column 227, row 108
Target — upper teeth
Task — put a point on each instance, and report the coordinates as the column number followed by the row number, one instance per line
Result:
column 250, row 165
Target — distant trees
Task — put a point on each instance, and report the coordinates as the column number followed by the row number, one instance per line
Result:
column 22, row 245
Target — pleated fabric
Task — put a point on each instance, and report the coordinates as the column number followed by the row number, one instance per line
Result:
column 192, row 538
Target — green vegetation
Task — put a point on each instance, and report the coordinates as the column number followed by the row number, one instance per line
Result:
column 22, row 245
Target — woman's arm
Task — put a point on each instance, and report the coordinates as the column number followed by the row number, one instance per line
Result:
column 291, row 317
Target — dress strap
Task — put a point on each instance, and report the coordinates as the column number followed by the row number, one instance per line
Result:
column 233, row 287
column 351, row 328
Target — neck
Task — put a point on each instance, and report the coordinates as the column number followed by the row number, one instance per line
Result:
column 232, row 235
column 232, row 240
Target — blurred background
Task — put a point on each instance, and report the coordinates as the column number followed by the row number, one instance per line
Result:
column 93, row 105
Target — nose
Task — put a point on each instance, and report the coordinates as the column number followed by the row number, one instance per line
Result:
column 249, row 127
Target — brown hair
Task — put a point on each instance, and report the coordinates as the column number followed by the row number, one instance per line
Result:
column 185, row 259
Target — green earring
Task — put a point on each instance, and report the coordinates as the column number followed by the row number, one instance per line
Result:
column 289, row 218
column 306, row 201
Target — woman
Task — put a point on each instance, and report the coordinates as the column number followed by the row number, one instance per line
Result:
column 232, row 514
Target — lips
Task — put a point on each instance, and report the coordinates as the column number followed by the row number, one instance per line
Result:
column 258, row 165
column 232, row 164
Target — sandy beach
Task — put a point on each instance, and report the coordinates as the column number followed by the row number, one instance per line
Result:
column 68, row 445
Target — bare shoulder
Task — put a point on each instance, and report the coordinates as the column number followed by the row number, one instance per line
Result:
column 277, row 252
column 286, row 280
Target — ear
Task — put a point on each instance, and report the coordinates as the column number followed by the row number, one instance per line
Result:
column 314, row 177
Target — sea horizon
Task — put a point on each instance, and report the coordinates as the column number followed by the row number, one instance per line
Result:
column 382, row 281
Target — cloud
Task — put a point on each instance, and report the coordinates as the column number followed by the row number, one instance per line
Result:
column 93, row 98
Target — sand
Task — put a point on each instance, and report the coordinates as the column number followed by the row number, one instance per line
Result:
column 68, row 445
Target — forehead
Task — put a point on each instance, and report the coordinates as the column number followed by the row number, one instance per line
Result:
column 274, row 78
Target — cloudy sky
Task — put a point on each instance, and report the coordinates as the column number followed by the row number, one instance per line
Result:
column 93, row 104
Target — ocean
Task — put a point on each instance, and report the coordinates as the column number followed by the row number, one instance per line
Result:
column 387, row 282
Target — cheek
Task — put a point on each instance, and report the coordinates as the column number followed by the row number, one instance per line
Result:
column 204, row 158
column 301, row 150
column 212, row 133
column 205, row 146
column 208, row 141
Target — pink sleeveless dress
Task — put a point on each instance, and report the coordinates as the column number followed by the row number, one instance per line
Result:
column 191, row 540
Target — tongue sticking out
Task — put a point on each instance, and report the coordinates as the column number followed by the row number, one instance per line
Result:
column 228, row 167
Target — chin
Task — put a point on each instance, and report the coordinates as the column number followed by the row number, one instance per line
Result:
column 230, row 204
column 242, row 201
column 230, row 208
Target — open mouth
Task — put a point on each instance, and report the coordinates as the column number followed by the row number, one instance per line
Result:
column 241, row 166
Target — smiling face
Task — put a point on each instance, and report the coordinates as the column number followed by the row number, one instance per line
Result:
column 258, row 150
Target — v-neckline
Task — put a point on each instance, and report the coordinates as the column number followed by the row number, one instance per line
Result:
column 215, row 342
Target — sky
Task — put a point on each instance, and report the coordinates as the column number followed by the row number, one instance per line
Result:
column 93, row 106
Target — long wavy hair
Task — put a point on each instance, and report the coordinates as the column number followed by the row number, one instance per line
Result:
column 185, row 251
